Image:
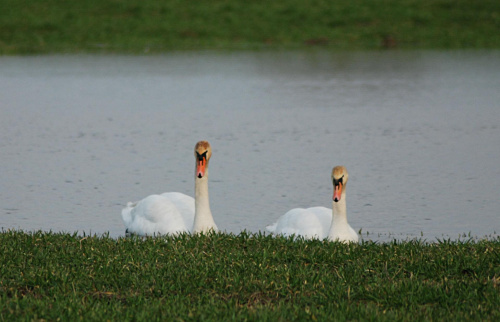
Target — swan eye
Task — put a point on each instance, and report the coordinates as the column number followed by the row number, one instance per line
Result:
column 336, row 182
column 201, row 156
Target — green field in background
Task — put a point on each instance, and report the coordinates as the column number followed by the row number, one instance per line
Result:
column 139, row 26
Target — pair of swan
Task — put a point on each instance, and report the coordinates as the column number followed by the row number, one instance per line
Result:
column 174, row 212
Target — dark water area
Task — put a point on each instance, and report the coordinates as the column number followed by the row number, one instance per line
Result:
column 418, row 131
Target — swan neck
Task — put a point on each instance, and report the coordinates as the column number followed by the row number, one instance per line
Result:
column 339, row 211
column 203, row 220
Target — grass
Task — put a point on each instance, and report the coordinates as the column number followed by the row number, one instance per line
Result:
column 138, row 26
column 49, row 276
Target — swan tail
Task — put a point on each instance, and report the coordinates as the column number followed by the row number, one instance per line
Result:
column 272, row 228
column 127, row 213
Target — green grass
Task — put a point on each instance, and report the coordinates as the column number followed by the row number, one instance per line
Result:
column 136, row 26
column 244, row 277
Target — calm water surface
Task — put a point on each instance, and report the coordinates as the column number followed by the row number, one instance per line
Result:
column 418, row 131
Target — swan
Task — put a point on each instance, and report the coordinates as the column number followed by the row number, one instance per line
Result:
column 320, row 222
column 175, row 212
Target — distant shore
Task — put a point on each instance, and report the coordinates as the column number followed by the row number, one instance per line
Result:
column 134, row 26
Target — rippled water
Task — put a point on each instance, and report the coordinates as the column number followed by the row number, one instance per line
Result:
column 418, row 131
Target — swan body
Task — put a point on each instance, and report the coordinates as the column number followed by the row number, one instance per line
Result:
column 168, row 213
column 320, row 222
column 309, row 223
column 174, row 212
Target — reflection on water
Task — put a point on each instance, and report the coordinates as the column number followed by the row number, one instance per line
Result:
column 418, row 131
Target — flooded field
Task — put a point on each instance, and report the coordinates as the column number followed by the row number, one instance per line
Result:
column 418, row 131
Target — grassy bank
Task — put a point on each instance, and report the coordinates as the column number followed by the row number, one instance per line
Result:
column 223, row 277
column 138, row 26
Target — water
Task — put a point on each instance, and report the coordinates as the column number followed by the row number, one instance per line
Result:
column 418, row 131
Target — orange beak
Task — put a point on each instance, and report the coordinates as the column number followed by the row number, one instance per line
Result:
column 201, row 167
column 337, row 192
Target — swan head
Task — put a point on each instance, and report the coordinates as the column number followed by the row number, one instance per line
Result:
column 339, row 180
column 202, row 153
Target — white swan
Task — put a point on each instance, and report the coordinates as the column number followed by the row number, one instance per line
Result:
column 174, row 212
column 320, row 222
